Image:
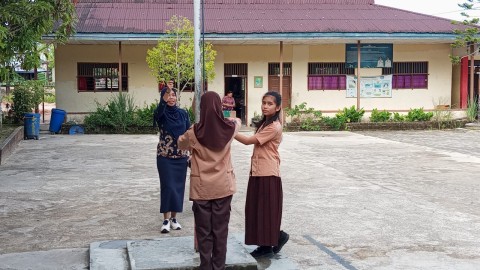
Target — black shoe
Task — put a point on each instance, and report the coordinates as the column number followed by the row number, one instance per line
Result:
column 262, row 251
column 282, row 240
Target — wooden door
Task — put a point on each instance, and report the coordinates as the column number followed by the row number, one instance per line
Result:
column 274, row 85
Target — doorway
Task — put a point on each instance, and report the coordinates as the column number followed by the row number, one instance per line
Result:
column 236, row 81
column 237, row 86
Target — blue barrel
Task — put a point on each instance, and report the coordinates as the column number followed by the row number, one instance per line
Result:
column 31, row 128
column 56, row 120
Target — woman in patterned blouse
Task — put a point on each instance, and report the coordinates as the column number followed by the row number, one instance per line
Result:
column 171, row 161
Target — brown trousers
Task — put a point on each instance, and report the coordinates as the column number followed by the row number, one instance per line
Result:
column 211, row 226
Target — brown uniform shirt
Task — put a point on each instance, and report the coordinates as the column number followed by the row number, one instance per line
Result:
column 211, row 174
column 265, row 158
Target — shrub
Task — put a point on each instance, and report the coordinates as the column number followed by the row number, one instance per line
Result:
column 27, row 95
column 301, row 111
column 418, row 115
column 49, row 98
column 144, row 116
column 380, row 116
column 472, row 109
column 22, row 102
column 118, row 113
column 397, row 117
column 441, row 115
column 351, row 114
column 335, row 123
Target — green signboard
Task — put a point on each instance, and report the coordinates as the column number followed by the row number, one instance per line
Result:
column 371, row 55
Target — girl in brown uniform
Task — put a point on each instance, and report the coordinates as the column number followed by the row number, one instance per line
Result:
column 212, row 181
column 263, row 209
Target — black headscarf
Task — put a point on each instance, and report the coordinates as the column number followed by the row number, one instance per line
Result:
column 174, row 118
column 213, row 131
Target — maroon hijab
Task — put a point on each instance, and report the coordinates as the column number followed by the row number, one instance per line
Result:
column 213, row 131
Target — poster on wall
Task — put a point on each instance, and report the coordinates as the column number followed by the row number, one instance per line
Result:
column 371, row 55
column 370, row 87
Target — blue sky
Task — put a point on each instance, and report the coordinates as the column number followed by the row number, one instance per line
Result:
column 440, row 8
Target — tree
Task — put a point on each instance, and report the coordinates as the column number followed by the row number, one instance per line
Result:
column 173, row 57
column 22, row 25
column 467, row 37
column 469, row 34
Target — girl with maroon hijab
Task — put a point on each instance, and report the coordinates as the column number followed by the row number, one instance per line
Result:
column 212, row 181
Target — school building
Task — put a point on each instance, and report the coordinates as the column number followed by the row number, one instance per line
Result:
column 320, row 46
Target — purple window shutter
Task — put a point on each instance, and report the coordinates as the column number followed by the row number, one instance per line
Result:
column 314, row 83
column 342, row 82
column 419, row 81
column 408, row 81
column 310, row 83
column 328, row 82
column 400, row 81
column 335, row 82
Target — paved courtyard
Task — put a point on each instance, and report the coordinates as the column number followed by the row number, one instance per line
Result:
column 371, row 200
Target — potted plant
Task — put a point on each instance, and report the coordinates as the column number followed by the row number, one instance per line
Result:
column 256, row 119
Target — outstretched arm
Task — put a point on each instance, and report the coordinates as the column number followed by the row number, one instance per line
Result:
column 247, row 140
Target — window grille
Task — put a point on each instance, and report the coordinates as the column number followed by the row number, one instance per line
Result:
column 101, row 77
column 328, row 76
column 408, row 75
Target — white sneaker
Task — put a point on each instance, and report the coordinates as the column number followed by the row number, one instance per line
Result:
column 175, row 224
column 166, row 226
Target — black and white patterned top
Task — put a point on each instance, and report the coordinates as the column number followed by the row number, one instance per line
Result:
column 167, row 146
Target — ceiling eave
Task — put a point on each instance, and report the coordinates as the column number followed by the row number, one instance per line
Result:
column 267, row 38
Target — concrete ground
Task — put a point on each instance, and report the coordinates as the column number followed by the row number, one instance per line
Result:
column 372, row 200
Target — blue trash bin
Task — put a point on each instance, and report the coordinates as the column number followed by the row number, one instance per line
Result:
column 31, row 128
column 56, row 120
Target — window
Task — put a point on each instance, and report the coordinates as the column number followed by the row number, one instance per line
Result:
column 328, row 76
column 408, row 75
column 274, row 69
column 100, row 77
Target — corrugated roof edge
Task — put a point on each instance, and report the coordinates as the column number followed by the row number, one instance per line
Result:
column 264, row 36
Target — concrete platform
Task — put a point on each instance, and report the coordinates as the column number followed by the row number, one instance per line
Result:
column 109, row 255
column 178, row 253
column 473, row 125
column 56, row 259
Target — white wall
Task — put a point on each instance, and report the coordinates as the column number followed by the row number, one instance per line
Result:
column 143, row 86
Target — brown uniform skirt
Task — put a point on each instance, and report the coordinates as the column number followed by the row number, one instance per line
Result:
column 263, row 210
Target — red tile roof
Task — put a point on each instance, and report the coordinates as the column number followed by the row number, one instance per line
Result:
column 256, row 16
